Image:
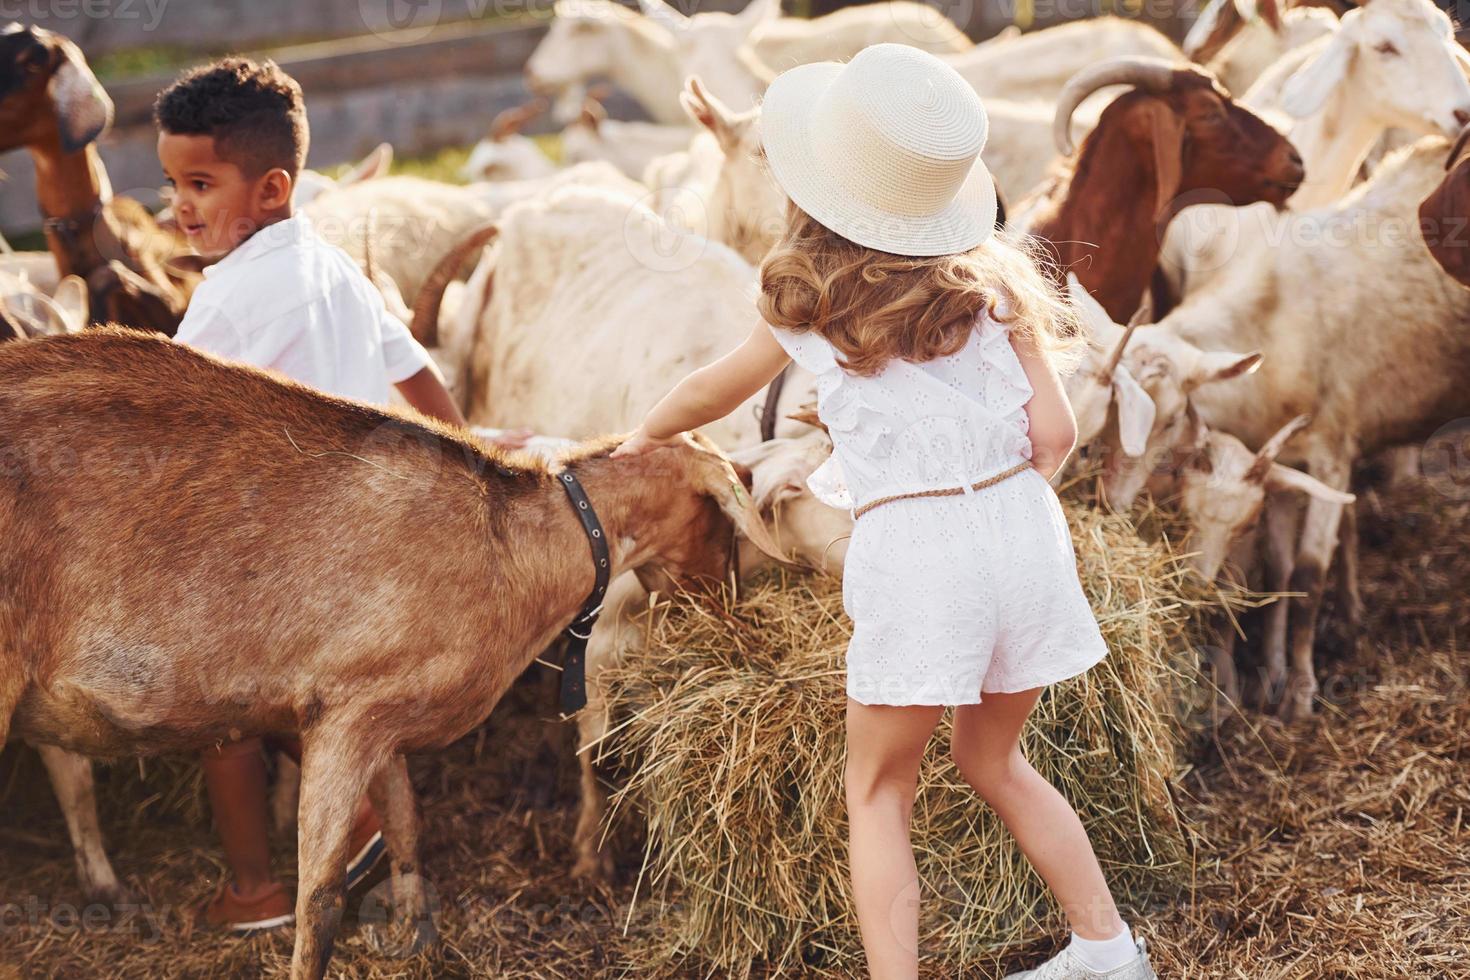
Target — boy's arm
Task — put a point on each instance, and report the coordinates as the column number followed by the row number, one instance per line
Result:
column 710, row 393
column 425, row 391
column 418, row 379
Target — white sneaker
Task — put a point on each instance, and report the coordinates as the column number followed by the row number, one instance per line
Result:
column 1066, row 966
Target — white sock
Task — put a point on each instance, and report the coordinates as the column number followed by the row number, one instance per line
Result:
column 1105, row 954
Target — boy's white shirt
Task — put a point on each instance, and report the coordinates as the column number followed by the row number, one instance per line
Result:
column 288, row 300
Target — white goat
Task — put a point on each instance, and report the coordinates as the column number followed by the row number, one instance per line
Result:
column 1247, row 55
column 1305, row 293
column 650, row 56
column 551, row 300
column 1037, row 66
column 415, row 221
column 27, row 310
column 504, row 154
column 36, row 268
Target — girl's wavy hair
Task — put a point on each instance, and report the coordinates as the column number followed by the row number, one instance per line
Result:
column 872, row 306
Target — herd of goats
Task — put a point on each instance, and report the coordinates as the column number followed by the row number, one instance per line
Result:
column 1265, row 231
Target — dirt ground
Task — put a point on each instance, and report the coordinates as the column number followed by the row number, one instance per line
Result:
column 1338, row 848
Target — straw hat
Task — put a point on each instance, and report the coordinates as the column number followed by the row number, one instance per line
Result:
column 884, row 150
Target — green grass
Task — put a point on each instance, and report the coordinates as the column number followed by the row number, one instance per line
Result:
column 445, row 164
column 154, row 59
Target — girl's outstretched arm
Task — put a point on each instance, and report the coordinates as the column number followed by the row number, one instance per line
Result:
column 710, row 393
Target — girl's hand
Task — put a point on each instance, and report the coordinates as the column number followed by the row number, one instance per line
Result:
column 641, row 442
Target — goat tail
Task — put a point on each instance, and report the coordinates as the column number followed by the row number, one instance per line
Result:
column 425, row 325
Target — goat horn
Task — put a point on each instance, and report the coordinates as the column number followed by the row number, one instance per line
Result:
column 1262, row 465
column 807, row 414
column 1151, row 74
column 1116, row 357
column 425, row 326
column 1458, row 148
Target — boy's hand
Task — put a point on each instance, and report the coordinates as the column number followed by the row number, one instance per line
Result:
column 641, row 442
column 508, row 438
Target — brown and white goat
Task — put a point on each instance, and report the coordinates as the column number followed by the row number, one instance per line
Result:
column 365, row 579
column 1444, row 216
column 52, row 104
column 1176, row 139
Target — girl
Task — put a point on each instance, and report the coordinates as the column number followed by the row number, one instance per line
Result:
column 936, row 347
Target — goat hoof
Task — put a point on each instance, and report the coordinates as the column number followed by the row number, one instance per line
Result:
column 425, row 935
column 114, row 895
column 1297, row 705
column 595, row 868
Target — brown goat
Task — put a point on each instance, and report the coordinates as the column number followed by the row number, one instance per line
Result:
column 1176, row 139
column 1444, row 217
column 52, row 104
column 199, row 551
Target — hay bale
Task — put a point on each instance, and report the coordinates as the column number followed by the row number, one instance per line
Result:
column 732, row 728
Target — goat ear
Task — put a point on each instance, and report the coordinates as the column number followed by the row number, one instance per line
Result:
column 1280, row 478
column 756, row 13
column 710, row 113
column 1307, row 89
column 1136, row 413
column 738, row 503
column 1270, row 12
column 1266, row 10
column 83, row 109
column 370, row 167
column 1167, row 135
column 1222, row 365
column 71, row 301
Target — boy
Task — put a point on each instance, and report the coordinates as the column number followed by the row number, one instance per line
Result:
column 232, row 140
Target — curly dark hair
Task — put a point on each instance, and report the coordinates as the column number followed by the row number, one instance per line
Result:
column 253, row 109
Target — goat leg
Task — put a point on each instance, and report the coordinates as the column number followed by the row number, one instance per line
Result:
column 1349, row 586
column 593, row 862
column 1227, row 684
column 392, row 795
column 71, row 780
column 336, row 767
column 1282, row 530
column 1319, row 540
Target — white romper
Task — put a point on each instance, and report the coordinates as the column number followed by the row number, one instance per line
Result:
column 948, row 596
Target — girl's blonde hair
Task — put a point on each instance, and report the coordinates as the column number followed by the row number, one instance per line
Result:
column 872, row 306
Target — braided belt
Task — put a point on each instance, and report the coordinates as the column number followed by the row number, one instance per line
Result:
column 989, row 481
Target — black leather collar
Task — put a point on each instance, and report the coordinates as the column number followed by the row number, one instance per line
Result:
column 574, row 662
column 773, row 398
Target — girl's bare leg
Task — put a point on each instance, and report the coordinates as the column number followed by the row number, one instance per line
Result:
column 885, row 744
column 986, row 749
